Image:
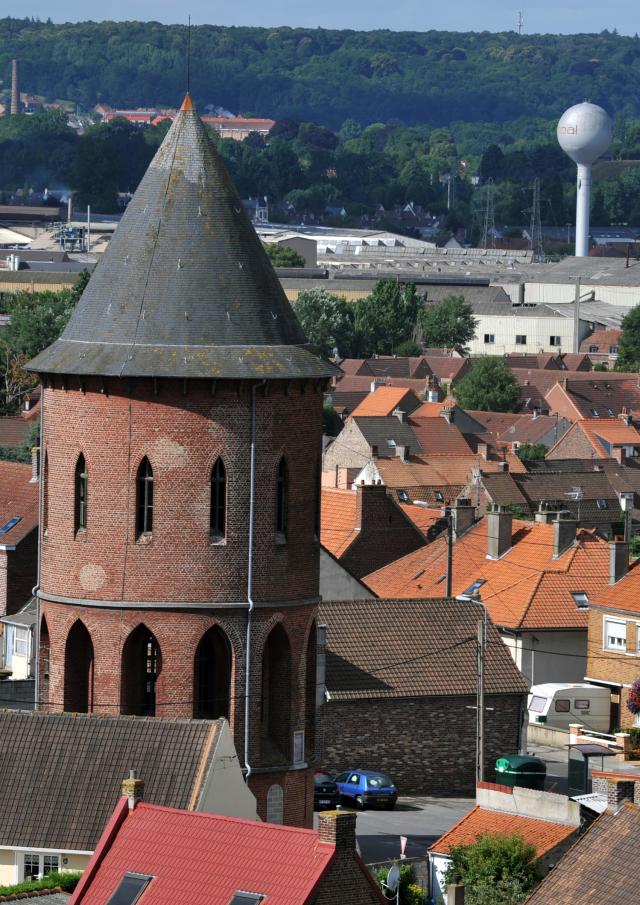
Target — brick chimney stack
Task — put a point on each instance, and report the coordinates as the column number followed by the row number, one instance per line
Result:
column 15, row 87
column 338, row 828
column 133, row 788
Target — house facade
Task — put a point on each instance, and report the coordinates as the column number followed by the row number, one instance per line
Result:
column 614, row 645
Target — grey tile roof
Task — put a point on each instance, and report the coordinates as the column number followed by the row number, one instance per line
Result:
column 377, row 430
column 408, row 648
column 598, row 868
column 185, row 288
column 61, row 774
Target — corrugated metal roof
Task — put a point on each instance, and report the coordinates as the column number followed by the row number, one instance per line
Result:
column 185, row 288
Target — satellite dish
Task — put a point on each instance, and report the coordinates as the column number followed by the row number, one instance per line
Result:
column 393, row 878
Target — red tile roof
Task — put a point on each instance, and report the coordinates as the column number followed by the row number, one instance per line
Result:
column 613, row 431
column 385, row 400
column 421, row 516
column 338, row 520
column 18, row 498
column 438, row 438
column 543, row 834
column 526, row 588
column 200, row 859
column 624, row 595
column 438, row 470
column 604, row 338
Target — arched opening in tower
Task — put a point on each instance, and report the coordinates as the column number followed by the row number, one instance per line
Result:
column 310, row 695
column 275, row 711
column 78, row 670
column 212, row 676
column 141, row 666
column 44, row 655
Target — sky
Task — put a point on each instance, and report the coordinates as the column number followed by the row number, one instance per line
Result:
column 558, row 16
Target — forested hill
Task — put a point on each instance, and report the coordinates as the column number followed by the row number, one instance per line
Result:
column 324, row 75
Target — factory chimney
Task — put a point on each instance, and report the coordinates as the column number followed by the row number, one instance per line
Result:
column 15, row 87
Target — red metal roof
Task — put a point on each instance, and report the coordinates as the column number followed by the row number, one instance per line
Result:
column 205, row 858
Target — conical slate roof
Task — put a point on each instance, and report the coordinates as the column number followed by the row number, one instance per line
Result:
column 185, row 288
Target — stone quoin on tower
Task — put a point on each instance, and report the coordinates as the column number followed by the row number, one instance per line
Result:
column 182, row 421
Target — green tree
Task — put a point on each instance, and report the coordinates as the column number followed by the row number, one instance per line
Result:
column 629, row 345
column 495, row 870
column 332, row 420
column 387, row 317
column 327, row 321
column 37, row 319
column 489, row 386
column 449, row 323
column 531, row 452
column 283, row 255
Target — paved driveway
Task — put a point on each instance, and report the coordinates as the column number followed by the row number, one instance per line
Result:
column 422, row 820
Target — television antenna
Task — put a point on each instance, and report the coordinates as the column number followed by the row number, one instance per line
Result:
column 577, row 494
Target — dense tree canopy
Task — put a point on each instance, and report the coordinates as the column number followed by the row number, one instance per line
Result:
column 495, row 870
column 448, row 324
column 386, row 318
column 326, row 76
column 327, row 320
column 488, row 387
column 283, row 255
column 37, row 319
column 629, row 345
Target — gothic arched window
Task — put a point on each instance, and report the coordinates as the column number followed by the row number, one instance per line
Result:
column 144, row 491
column 218, row 515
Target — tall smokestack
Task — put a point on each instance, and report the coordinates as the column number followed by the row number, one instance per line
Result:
column 15, row 87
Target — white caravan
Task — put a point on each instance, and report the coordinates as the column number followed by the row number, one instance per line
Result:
column 558, row 704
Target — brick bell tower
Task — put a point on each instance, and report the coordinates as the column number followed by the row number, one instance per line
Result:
column 182, row 420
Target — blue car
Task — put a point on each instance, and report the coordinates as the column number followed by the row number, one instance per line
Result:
column 363, row 788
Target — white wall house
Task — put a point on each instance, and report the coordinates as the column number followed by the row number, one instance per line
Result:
column 504, row 329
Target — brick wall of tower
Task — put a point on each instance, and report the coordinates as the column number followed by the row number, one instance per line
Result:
column 182, row 435
column 177, row 583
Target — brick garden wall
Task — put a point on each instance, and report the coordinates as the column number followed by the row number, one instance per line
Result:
column 427, row 745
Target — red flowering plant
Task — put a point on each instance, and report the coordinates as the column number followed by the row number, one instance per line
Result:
column 633, row 701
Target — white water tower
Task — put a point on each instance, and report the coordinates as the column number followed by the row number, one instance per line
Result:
column 584, row 133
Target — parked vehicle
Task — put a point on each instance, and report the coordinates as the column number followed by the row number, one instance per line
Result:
column 366, row 787
column 326, row 796
column 558, row 704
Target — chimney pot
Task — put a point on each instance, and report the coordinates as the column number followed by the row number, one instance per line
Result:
column 618, row 560
column 338, row 828
column 499, row 529
column 564, row 535
column 133, row 788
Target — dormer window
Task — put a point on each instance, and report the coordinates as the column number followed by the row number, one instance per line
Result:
column 129, row 889
column 581, row 599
